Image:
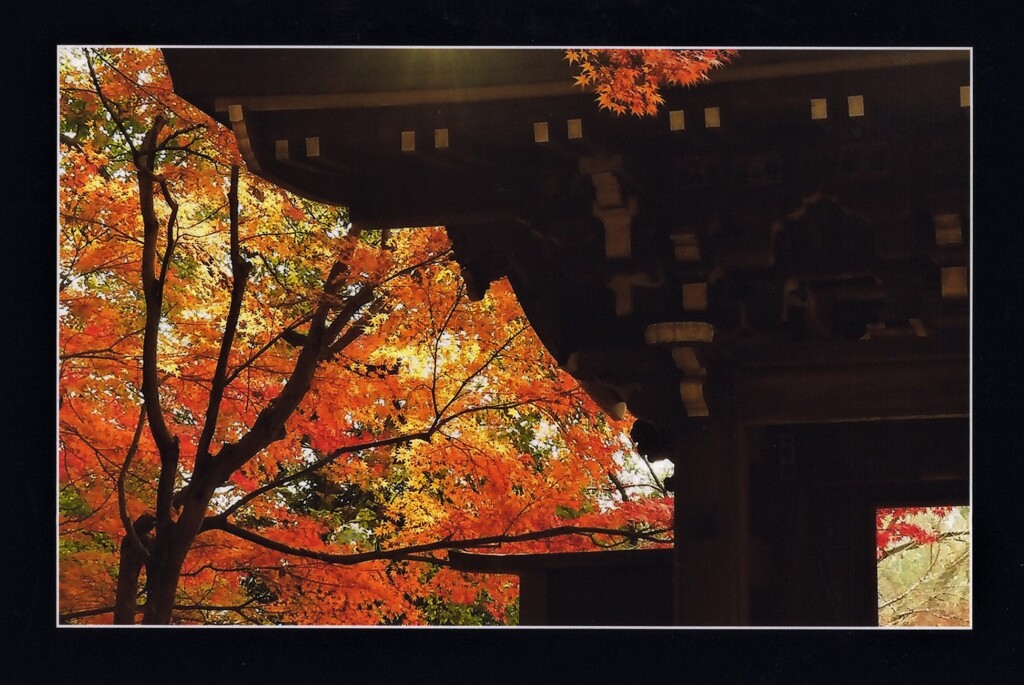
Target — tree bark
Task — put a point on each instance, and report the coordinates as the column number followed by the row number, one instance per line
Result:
column 128, row 571
column 162, row 575
column 169, row 551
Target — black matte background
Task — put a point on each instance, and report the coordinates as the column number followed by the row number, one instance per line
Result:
column 36, row 651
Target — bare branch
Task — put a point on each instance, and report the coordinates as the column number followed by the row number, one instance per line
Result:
column 187, row 149
column 336, row 343
column 166, row 443
column 99, row 611
column 102, row 352
column 659, row 484
column 86, row 613
column 914, row 543
column 490, row 360
column 351, row 307
column 931, row 565
column 172, row 218
column 240, row 272
column 211, row 521
column 404, row 553
column 179, row 132
column 526, row 507
column 77, row 145
column 437, row 345
column 122, row 504
column 115, row 116
column 162, row 104
column 308, row 470
column 283, row 335
column 619, row 486
column 269, row 424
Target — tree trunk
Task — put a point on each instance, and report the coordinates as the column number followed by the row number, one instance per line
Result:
column 128, row 571
column 169, row 551
column 127, row 584
column 162, row 576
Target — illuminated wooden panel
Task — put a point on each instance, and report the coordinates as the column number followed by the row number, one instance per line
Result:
column 965, row 96
column 244, row 145
column 855, row 105
column 691, row 388
column 408, row 141
column 600, row 163
column 575, row 128
column 920, row 330
column 608, row 190
column 947, row 229
column 313, row 146
column 281, row 149
column 685, row 247
column 540, row 132
column 712, row 117
column 691, row 391
column 819, row 108
column 685, row 359
column 679, row 331
column 623, row 289
column 954, row 282
column 441, row 138
column 617, row 234
column 676, row 120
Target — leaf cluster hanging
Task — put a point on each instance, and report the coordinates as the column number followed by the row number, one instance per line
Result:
column 631, row 80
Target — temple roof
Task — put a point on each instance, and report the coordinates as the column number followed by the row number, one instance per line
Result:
column 803, row 216
column 391, row 132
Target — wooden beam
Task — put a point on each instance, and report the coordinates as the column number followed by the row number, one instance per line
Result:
column 844, row 60
column 398, row 98
column 897, row 389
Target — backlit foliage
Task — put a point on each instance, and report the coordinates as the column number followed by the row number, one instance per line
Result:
column 430, row 422
column 630, row 80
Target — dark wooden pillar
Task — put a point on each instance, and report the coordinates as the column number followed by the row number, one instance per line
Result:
column 839, row 561
column 711, row 525
column 533, row 598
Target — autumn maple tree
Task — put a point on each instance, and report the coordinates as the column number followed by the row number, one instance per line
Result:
column 268, row 416
column 896, row 529
column 631, row 79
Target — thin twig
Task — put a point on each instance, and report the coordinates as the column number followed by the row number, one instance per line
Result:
column 122, row 504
